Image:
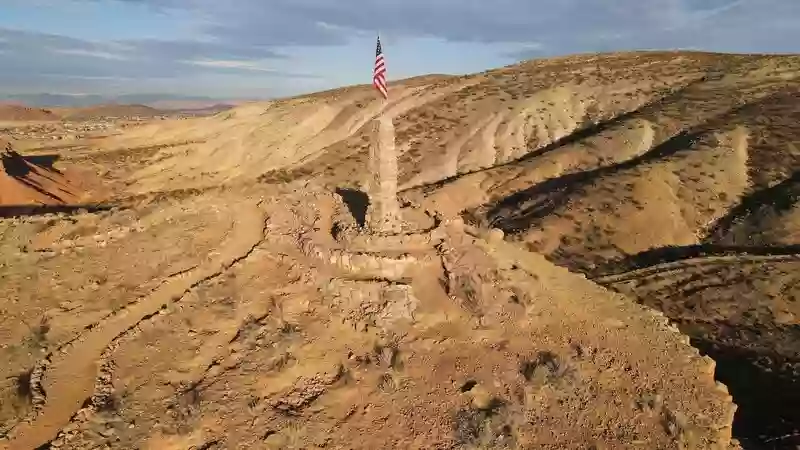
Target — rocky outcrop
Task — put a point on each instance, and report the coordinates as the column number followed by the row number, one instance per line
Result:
column 32, row 180
column 384, row 211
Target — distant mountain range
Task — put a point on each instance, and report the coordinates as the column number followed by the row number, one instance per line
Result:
column 54, row 107
column 159, row 101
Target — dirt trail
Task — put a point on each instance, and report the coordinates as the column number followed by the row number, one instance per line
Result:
column 687, row 264
column 70, row 375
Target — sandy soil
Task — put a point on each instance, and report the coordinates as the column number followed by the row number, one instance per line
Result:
column 228, row 300
column 237, row 321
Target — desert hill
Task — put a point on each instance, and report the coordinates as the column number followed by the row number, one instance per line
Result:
column 603, row 163
column 478, row 343
column 196, row 105
column 20, row 113
column 109, row 110
column 14, row 113
column 667, row 179
column 154, row 100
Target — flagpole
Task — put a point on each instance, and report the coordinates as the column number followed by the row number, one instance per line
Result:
column 379, row 73
column 385, row 99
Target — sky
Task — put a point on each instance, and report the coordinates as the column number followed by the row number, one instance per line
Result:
column 272, row 48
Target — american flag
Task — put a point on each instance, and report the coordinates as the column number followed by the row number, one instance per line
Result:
column 379, row 73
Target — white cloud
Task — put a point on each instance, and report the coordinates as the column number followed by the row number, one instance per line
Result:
column 684, row 17
column 89, row 53
column 86, row 77
column 230, row 64
column 245, row 65
column 244, row 41
column 531, row 46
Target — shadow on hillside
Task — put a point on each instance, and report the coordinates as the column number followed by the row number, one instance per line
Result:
column 758, row 362
column 763, row 384
column 518, row 211
column 521, row 210
column 45, row 161
column 10, row 211
column 671, row 254
column 357, row 202
column 773, row 200
column 17, row 165
column 580, row 134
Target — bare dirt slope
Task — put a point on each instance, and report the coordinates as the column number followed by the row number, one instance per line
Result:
column 229, row 301
column 225, row 321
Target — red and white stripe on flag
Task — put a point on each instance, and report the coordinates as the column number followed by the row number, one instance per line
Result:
column 379, row 73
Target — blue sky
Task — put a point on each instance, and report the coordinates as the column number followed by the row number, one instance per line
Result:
column 266, row 48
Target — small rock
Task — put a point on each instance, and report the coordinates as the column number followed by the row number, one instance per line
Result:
column 481, row 399
column 495, row 236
